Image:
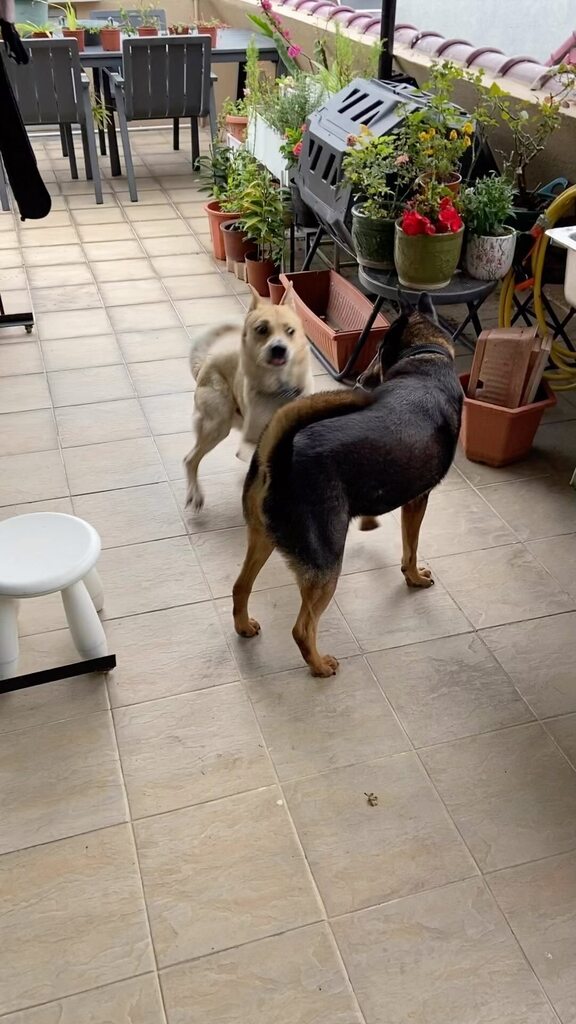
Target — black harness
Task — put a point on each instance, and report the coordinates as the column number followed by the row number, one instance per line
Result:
column 426, row 350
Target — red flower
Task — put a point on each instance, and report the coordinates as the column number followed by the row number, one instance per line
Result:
column 414, row 223
column 448, row 218
column 297, row 149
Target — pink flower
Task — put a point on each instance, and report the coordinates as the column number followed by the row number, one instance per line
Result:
column 286, row 34
column 266, row 5
column 402, row 159
column 297, row 149
column 294, row 51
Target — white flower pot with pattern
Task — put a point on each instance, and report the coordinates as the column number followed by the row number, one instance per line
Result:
column 489, row 257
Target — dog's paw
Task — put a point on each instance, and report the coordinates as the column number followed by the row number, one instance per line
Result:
column 194, row 501
column 325, row 667
column 252, row 629
column 420, row 577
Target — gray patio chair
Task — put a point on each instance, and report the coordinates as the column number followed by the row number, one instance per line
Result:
column 53, row 90
column 164, row 77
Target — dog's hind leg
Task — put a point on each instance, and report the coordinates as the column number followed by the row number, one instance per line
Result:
column 260, row 547
column 412, row 516
column 210, row 430
column 316, row 597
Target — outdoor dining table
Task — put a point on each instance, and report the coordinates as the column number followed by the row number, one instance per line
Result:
column 231, row 49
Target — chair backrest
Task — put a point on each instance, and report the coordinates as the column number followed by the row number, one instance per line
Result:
column 49, row 88
column 167, row 77
column 134, row 17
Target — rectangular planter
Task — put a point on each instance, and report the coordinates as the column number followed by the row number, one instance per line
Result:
column 498, row 436
column 334, row 312
column 264, row 143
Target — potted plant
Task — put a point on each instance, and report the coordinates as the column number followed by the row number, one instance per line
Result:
column 214, row 172
column 111, row 37
column 73, row 27
column 210, row 28
column 148, row 25
column 490, row 241
column 31, row 31
column 380, row 178
column 263, row 222
column 428, row 239
column 179, row 30
column 243, row 169
column 125, row 25
column 235, row 116
column 276, row 289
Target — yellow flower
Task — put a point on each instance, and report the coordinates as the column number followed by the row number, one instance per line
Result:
column 364, row 130
column 432, row 132
column 468, row 128
column 424, row 136
column 453, row 135
column 467, row 141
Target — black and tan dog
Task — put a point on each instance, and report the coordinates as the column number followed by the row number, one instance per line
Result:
column 328, row 458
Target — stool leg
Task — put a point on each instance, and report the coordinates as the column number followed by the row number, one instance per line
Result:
column 93, row 585
column 85, row 626
column 8, row 637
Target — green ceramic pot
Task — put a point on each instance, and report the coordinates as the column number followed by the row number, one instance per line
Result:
column 426, row 262
column 373, row 240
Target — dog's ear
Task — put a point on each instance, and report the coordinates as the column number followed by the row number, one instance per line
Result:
column 404, row 304
column 426, row 307
column 256, row 299
column 286, row 293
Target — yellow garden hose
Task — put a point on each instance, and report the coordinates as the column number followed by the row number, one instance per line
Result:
column 563, row 376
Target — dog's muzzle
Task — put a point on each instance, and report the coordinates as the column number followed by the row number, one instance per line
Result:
column 277, row 354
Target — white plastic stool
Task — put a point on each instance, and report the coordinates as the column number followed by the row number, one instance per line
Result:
column 41, row 553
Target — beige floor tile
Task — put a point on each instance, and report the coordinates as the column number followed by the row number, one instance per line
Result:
column 383, row 612
column 72, row 324
column 167, row 653
column 564, row 732
column 51, row 505
column 21, row 358
column 186, row 195
column 122, row 293
column 448, row 688
column 17, row 300
column 48, row 236
column 22, row 432
column 539, row 901
column 59, row 277
column 123, row 250
column 131, row 516
column 172, row 245
column 294, row 978
column 223, row 506
column 52, row 255
column 221, row 555
column 39, row 615
column 274, row 649
column 105, row 214
column 135, row 1001
column 558, row 556
column 10, row 258
column 542, row 507
column 161, row 228
column 169, row 414
column 150, row 576
column 21, row 392
column 102, row 467
column 479, row 475
column 208, row 311
column 100, row 422
column 556, row 442
column 539, row 656
column 81, row 296
column 311, row 726
column 105, row 232
column 77, row 353
column 55, row 219
column 439, row 956
column 34, row 476
column 134, row 318
column 15, row 277
column 196, row 286
column 151, row 197
column 79, row 788
column 80, row 201
column 501, row 585
column 190, row 749
column 150, row 212
column 222, row 459
column 511, row 794
column 362, row 855
column 87, row 908
column 222, row 874
column 161, row 376
column 162, row 343
column 183, row 265
column 193, row 209
column 115, row 271
column 458, row 521
column 373, row 549
column 95, row 384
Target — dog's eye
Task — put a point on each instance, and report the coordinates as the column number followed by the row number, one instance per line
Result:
column 262, row 328
column 289, row 331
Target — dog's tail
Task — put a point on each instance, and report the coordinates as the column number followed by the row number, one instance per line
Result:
column 204, row 339
column 275, row 447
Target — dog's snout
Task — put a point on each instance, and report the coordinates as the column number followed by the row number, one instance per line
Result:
column 277, row 353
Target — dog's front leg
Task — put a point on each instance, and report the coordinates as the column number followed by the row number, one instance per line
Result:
column 412, row 516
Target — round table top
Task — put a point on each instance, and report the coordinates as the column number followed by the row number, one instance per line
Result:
column 43, row 552
column 462, row 289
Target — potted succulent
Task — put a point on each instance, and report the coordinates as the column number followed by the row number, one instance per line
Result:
column 210, row 28
column 264, row 223
column 490, row 241
column 380, row 179
column 148, row 25
column 179, row 30
column 235, row 116
column 428, row 239
column 111, row 37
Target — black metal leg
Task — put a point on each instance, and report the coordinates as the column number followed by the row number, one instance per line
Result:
column 176, row 133
column 343, row 374
column 241, row 82
column 115, row 165
column 195, row 141
column 521, row 308
column 557, row 325
column 313, row 248
column 70, row 148
column 96, row 77
column 87, row 160
column 63, row 140
column 48, row 675
column 292, row 245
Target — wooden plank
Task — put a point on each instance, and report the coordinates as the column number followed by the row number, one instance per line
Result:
column 504, row 367
column 538, row 361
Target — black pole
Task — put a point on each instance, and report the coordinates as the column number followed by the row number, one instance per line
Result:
column 387, row 25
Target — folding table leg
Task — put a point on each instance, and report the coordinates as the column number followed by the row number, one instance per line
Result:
column 176, row 134
column 70, row 150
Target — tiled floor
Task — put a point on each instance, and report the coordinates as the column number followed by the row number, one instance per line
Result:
column 191, row 841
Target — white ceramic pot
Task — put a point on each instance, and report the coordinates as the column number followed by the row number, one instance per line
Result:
column 489, row 258
column 566, row 237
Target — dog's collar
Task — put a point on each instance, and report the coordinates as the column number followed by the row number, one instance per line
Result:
column 427, row 350
column 289, row 393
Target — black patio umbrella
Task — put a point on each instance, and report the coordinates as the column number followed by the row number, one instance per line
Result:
column 387, row 25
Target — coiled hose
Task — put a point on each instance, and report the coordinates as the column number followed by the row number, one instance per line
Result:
column 562, row 376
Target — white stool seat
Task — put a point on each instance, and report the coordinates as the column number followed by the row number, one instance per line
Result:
column 43, row 552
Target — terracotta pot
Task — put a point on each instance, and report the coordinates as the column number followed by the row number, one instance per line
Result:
column 216, row 217
column 498, row 436
column 258, row 272
column 40, row 35
column 236, row 242
column 237, row 126
column 489, row 258
column 205, row 30
column 452, row 183
column 147, row 30
column 276, row 290
column 75, row 33
column 373, row 240
column 111, row 39
column 426, row 262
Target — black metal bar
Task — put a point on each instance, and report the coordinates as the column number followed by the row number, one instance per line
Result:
column 313, row 248
column 353, row 359
column 50, row 675
column 97, row 79
column 115, row 165
column 387, row 26
column 17, row 320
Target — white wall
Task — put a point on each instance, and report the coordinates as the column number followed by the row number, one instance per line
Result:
column 526, row 27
